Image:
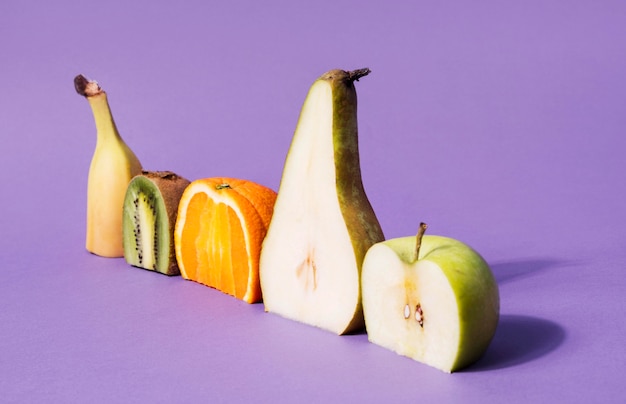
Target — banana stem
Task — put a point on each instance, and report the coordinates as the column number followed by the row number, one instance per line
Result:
column 418, row 242
column 105, row 125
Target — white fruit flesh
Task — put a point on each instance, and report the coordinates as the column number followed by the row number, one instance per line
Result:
column 309, row 272
column 391, row 290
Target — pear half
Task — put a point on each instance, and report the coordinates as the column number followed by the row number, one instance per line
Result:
column 323, row 223
column 440, row 309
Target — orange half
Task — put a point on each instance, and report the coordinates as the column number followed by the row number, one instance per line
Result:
column 220, row 227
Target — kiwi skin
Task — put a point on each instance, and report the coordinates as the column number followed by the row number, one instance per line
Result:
column 160, row 192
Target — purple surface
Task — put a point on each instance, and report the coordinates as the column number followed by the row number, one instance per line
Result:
column 500, row 124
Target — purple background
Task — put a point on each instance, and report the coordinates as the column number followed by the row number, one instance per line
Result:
column 498, row 123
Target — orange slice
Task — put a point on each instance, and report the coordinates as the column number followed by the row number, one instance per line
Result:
column 220, row 227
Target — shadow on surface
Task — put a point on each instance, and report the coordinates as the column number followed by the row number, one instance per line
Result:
column 520, row 339
column 508, row 271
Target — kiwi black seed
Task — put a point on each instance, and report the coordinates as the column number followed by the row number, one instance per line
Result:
column 150, row 209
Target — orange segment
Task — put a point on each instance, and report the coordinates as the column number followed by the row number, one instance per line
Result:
column 220, row 227
column 239, row 265
column 190, row 234
column 202, row 243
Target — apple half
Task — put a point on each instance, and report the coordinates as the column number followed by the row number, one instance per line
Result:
column 430, row 298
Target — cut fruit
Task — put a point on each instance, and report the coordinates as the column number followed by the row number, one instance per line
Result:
column 219, row 231
column 323, row 222
column 437, row 304
column 150, row 209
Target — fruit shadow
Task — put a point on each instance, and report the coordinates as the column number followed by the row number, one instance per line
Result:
column 519, row 339
column 513, row 270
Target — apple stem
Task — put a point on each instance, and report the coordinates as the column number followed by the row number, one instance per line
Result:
column 418, row 242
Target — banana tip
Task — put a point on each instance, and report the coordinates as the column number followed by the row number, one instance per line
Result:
column 86, row 87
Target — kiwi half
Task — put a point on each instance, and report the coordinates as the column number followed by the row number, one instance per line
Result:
column 149, row 217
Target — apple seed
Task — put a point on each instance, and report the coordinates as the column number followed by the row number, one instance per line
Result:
column 407, row 311
column 419, row 315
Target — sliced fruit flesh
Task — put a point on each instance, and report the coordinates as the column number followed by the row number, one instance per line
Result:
column 410, row 309
column 145, row 232
column 438, row 343
column 215, row 247
column 190, row 255
column 310, row 273
column 146, row 227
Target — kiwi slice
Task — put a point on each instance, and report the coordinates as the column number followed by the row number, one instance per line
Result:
column 149, row 216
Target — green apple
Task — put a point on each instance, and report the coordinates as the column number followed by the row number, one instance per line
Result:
column 430, row 298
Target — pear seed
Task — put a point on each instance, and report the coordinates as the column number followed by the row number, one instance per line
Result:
column 407, row 311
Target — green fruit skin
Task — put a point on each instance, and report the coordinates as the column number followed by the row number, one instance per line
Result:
column 473, row 283
column 361, row 222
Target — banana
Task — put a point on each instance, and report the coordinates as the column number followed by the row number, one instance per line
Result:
column 112, row 167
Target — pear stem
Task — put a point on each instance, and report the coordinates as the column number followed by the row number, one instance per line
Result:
column 355, row 75
column 418, row 242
